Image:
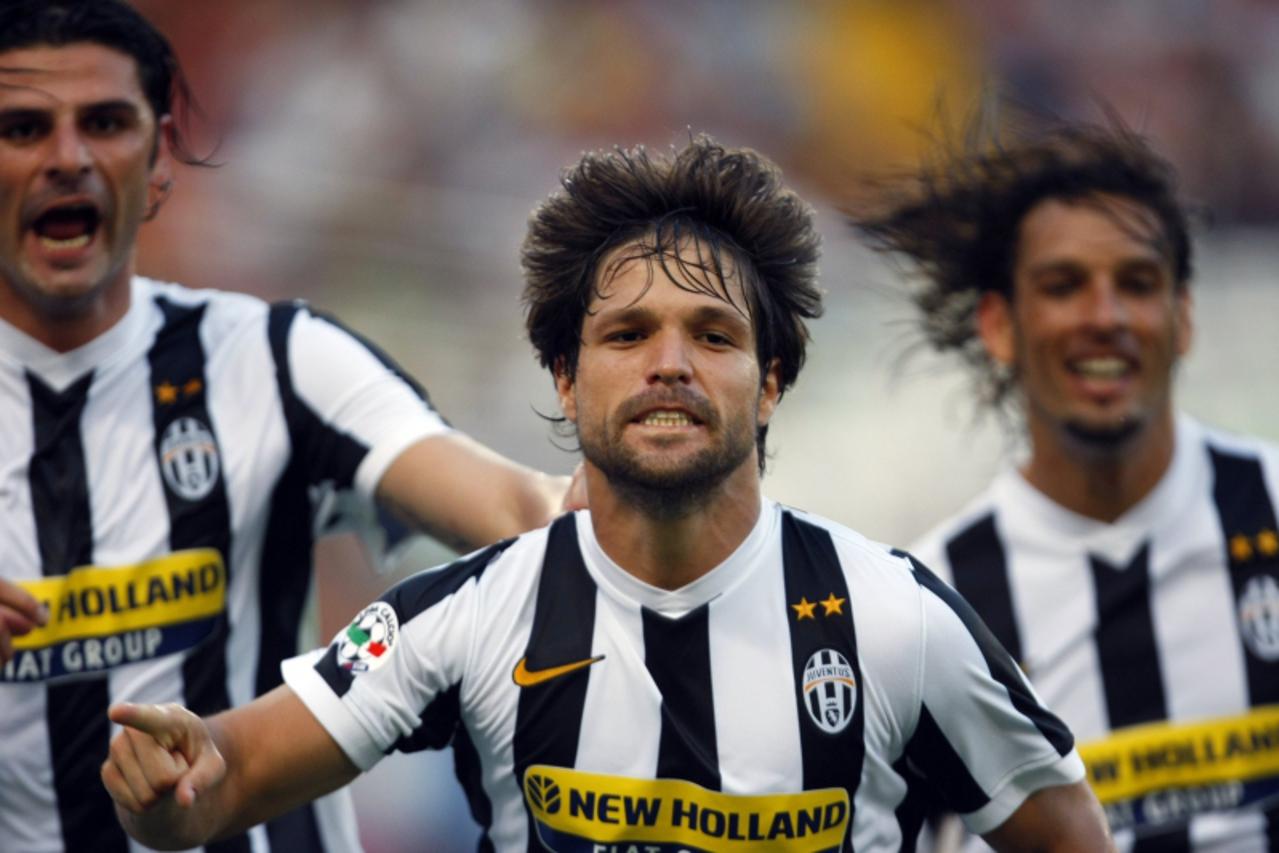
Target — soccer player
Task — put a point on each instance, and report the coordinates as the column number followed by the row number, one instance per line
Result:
column 688, row 665
column 162, row 449
column 1131, row 563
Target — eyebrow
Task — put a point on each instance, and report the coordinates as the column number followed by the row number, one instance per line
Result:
column 699, row 316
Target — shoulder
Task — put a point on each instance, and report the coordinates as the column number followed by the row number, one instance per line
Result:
column 860, row 557
column 932, row 548
column 223, row 313
column 503, row 574
column 1227, row 443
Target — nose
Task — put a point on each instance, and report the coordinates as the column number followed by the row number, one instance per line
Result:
column 69, row 156
column 1105, row 307
column 670, row 362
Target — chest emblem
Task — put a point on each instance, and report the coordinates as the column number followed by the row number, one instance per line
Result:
column 830, row 691
column 1259, row 617
column 189, row 458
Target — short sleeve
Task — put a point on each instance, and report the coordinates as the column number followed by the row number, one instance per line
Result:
column 350, row 409
column 388, row 681
column 983, row 739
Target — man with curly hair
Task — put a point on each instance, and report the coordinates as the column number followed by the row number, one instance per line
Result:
column 687, row 666
column 1131, row 563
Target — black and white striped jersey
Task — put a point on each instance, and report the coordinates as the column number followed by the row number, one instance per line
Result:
column 1156, row 638
column 156, row 490
column 795, row 697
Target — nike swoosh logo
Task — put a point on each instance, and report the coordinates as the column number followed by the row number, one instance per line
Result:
column 526, row 677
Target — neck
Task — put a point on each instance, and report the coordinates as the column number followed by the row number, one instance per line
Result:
column 1100, row 483
column 669, row 553
column 62, row 324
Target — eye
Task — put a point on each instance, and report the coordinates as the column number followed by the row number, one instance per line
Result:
column 20, row 130
column 624, row 336
column 717, row 339
column 103, row 123
column 1142, row 281
column 1060, row 286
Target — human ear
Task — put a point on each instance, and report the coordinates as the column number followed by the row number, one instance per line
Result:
column 1185, row 322
column 770, row 392
column 995, row 327
column 160, row 181
column 566, row 389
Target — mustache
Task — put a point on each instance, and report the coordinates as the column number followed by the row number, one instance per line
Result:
column 674, row 397
column 76, row 189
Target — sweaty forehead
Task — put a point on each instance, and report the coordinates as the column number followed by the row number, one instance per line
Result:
column 1096, row 227
column 79, row 73
column 628, row 273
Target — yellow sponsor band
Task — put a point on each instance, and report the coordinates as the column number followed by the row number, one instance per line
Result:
column 1138, row 760
column 615, row 809
column 98, row 601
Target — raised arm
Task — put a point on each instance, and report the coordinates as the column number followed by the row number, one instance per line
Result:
column 180, row 781
column 1059, row 819
column 467, row 495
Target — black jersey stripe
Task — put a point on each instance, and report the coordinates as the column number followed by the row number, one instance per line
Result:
column 979, row 567
column 1249, row 528
column 921, row 802
column 998, row 661
column 177, row 363
column 327, row 453
column 931, row 755
column 677, row 654
column 377, row 352
column 832, row 751
column 548, row 717
column 1127, row 650
column 1129, row 660
column 76, row 711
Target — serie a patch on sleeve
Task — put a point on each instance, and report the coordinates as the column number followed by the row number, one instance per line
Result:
column 594, row 813
column 101, row 617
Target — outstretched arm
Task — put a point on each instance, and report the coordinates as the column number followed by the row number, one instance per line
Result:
column 469, row 496
column 1058, row 819
column 179, row 780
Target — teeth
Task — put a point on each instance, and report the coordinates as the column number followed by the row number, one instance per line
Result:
column 667, row 419
column 70, row 243
column 1101, row 368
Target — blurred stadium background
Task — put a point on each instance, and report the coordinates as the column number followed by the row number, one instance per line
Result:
column 380, row 158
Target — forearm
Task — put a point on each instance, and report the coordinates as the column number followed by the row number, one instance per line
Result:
column 466, row 495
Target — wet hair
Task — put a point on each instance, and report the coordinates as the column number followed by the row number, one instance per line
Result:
column 113, row 24
column 728, row 205
column 956, row 223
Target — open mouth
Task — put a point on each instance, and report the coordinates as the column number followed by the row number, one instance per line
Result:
column 668, row 418
column 67, row 227
column 1102, row 367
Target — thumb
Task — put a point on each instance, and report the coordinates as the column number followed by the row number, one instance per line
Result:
column 207, row 771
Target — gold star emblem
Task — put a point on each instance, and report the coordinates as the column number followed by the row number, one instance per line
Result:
column 833, row 605
column 166, row 393
column 192, row 387
column 1268, row 543
column 804, row 609
column 1240, row 548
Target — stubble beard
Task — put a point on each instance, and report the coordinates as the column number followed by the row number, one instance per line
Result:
column 668, row 493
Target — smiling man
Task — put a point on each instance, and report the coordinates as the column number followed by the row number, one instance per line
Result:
column 1131, row 563
column 687, row 666
column 167, row 455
